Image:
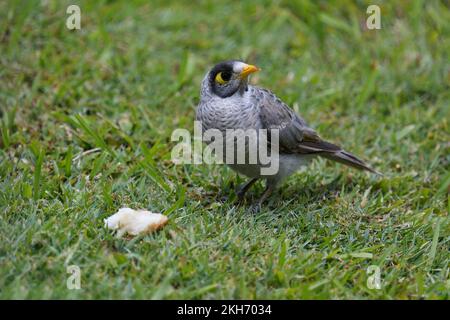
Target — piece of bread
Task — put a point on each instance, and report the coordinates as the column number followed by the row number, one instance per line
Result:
column 135, row 222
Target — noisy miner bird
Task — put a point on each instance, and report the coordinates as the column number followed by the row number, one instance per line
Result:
column 228, row 102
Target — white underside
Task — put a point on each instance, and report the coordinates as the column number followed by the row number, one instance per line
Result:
column 288, row 164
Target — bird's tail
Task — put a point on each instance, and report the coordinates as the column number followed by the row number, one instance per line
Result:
column 348, row 159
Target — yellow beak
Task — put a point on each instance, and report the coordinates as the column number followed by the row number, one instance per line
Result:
column 248, row 69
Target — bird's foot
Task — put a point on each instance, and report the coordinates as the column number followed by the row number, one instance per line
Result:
column 240, row 197
column 222, row 198
column 241, row 191
column 255, row 208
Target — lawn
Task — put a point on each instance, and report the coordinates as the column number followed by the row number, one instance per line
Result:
column 86, row 123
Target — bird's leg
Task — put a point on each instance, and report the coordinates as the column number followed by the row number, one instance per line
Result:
column 269, row 190
column 244, row 188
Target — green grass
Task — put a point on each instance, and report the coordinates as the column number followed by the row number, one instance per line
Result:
column 86, row 120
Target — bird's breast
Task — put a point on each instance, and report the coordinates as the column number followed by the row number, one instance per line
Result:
column 229, row 113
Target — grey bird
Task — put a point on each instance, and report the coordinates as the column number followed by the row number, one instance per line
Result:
column 227, row 101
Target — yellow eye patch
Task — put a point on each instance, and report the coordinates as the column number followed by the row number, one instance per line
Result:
column 219, row 78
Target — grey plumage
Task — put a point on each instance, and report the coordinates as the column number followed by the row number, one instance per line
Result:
column 234, row 104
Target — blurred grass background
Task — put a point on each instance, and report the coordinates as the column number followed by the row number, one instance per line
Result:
column 86, row 120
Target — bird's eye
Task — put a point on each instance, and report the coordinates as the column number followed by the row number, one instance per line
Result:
column 223, row 77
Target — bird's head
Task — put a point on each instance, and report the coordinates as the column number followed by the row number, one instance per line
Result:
column 228, row 77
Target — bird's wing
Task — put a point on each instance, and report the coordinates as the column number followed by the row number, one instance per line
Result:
column 294, row 134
